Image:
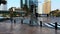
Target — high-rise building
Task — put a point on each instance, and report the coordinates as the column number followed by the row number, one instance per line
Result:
column 43, row 6
column 21, row 1
column 33, row 2
column 3, row 5
column 47, row 6
column 40, row 6
column 26, row 2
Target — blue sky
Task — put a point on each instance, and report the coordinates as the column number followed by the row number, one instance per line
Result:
column 55, row 4
column 13, row 3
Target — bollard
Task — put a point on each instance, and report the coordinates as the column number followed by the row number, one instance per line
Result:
column 21, row 21
column 41, row 23
column 30, row 22
column 55, row 25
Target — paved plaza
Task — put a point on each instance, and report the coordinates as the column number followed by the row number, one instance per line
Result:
column 8, row 28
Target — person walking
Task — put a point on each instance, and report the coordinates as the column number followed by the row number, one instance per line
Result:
column 14, row 21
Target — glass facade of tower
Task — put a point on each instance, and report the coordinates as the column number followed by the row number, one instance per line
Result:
column 29, row 2
column 33, row 2
column 3, row 5
column 21, row 1
column 24, row 2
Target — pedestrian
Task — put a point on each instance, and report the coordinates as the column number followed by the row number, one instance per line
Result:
column 11, row 20
column 36, row 14
column 14, row 21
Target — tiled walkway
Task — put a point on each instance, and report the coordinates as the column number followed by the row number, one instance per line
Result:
column 8, row 28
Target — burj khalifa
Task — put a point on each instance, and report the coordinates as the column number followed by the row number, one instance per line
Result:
column 3, row 5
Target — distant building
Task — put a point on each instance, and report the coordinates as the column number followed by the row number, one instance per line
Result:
column 43, row 6
column 27, row 2
column 21, row 1
column 14, row 9
column 18, row 11
column 47, row 6
column 3, row 5
column 40, row 7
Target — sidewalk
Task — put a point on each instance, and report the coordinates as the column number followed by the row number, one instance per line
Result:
column 8, row 28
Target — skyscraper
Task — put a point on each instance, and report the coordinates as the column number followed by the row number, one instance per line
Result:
column 40, row 6
column 26, row 2
column 3, row 5
column 33, row 2
column 43, row 6
column 47, row 6
column 21, row 1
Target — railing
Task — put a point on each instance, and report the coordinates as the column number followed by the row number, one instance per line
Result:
column 55, row 25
